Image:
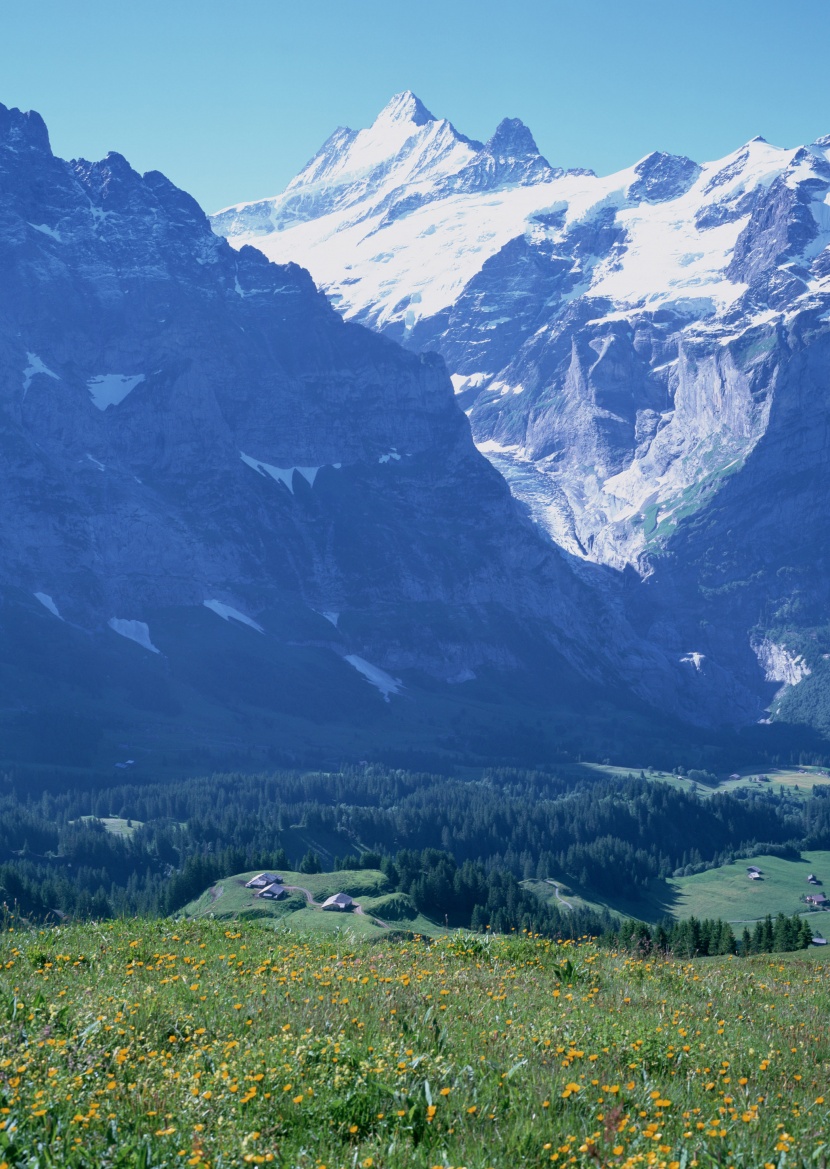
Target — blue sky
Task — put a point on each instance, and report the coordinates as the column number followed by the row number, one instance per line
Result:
column 231, row 99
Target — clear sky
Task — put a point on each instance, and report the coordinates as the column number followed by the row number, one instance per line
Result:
column 230, row 99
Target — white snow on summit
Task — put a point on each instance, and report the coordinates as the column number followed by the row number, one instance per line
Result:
column 405, row 148
column 403, row 128
column 373, row 219
column 492, row 256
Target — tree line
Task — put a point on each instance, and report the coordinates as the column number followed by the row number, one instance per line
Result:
column 691, row 937
column 475, row 839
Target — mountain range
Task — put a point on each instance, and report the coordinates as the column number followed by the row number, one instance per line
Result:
column 645, row 356
column 234, row 522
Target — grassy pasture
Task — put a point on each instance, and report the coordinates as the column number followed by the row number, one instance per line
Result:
column 229, row 900
column 727, row 892
column 567, row 897
column 116, row 825
column 797, row 780
column 146, row 1045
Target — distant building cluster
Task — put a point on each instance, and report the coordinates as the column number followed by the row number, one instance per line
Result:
column 272, row 887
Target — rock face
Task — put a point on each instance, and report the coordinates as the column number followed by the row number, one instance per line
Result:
column 643, row 355
column 200, row 455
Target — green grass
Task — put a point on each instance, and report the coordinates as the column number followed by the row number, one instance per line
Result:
column 147, row 1045
column 229, row 900
column 569, row 898
column 116, row 825
column 728, row 893
column 235, row 898
column 725, row 892
column 797, row 780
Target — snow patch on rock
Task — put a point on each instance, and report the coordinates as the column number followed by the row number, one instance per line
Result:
column 137, row 631
column 228, row 613
column 379, row 678
column 34, row 367
column 109, row 389
column 284, row 475
column 49, row 604
column 694, row 659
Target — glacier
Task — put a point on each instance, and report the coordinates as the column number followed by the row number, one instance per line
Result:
column 590, row 296
column 644, row 356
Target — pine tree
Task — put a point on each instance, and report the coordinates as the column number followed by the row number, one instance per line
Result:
column 726, row 940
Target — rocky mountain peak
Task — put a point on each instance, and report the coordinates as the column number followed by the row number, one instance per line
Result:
column 512, row 139
column 662, row 176
column 23, row 130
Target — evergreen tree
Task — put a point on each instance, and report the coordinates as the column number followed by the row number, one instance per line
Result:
column 310, row 863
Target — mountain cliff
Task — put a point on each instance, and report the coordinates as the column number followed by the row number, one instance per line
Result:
column 643, row 355
column 224, row 505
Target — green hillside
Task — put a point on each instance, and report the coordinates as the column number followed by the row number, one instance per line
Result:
column 795, row 780
column 727, row 892
column 229, row 900
column 564, row 896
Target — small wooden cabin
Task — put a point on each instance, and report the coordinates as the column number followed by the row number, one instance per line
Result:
column 339, row 901
column 263, row 880
column 274, row 892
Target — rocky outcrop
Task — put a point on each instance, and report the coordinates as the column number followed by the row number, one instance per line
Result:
column 780, row 664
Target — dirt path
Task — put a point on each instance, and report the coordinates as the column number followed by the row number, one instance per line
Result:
column 559, row 896
column 305, row 892
column 359, row 909
column 316, row 904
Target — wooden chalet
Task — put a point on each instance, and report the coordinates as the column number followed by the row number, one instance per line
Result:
column 274, row 892
column 339, row 901
column 263, row 880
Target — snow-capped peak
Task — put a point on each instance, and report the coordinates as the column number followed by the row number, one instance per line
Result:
column 352, row 154
column 404, row 148
column 404, row 107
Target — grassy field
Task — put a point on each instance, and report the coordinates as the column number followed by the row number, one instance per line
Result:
column 563, row 896
column 115, row 825
column 143, row 1045
column 727, row 892
column 229, row 900
column 797, row 780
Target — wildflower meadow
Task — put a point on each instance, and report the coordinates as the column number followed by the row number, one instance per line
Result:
column 154, row 1043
